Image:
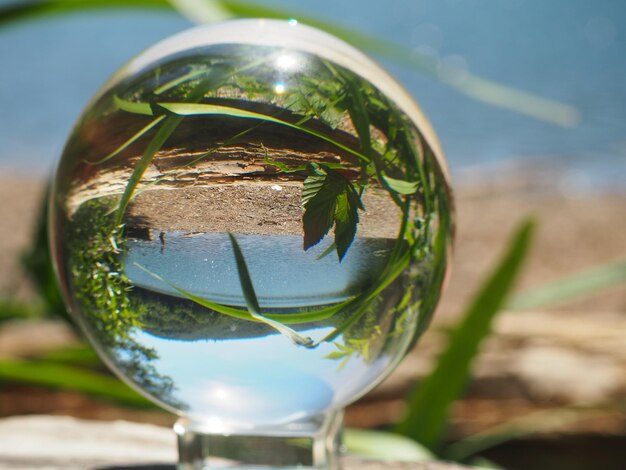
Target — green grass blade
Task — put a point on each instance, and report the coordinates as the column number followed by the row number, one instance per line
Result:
column 182, row 79
column 223, row 309
column 82, row 355
column 37, row 263
column 20, row 11
column 196, row 109
column 133, row 106
column 134, row 138
column 60, row 376
column 244, row 278
column 481, row 89
column 11, row 309
column 579, row 285
column 291, row 318
column 253, row 304
column 428, row 405
column 401, row 186
column 545, row 421
column 381, row 445
column 165, row 131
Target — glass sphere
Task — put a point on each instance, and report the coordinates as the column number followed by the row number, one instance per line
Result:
column 251, row 222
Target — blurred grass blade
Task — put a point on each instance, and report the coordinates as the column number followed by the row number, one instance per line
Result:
column 253, row 304
column 82, row 355
column 482, row 89
column 381, row 445
column 477, row 87
column 24, row 10
column 202, row 11
column 579, row 285
column 542, row 421
column 37, row 263
column 51, row 375
column 429, row 403
column 11, row 309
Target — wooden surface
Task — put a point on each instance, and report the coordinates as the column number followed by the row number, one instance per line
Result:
column 56, row 442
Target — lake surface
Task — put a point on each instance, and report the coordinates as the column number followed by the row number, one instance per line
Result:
column 573, row 51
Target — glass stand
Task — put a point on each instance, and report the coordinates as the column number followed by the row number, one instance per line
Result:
column 313, row 443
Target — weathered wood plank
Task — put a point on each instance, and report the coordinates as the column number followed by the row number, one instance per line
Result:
column 57, row 442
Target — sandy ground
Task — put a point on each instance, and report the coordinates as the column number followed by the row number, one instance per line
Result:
column 567, row 353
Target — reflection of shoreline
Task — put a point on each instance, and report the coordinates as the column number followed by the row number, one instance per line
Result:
column 591, row 226
column 535, row 176
column 247, row 207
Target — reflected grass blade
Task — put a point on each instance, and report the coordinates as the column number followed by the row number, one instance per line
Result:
column 198, row 109
column 288, row 318
column 253, row 303
column 401, row 186
column 143, row 131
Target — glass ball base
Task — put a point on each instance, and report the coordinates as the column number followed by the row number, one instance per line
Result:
column 314, row 443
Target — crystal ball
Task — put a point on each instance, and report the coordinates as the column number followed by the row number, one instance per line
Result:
column 251, row 222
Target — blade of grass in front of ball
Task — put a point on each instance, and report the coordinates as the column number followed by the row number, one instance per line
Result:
column 253, row 304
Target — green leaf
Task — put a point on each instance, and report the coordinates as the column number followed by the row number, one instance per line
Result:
column 381, row 445
column 329, row 199
column 59, row 376
column 579, row 285
column 253, row 303
column 346, row 219
column 429, row 403
column 401, row 186
column 319, row 198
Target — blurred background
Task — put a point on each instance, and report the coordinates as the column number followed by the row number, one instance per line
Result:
column 529, row 101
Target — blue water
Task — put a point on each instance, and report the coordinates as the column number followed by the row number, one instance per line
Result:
column 284, row 274
column 569, row 50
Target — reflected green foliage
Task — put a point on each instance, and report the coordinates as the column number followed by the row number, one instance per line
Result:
column 344, row 111
column 101, row 291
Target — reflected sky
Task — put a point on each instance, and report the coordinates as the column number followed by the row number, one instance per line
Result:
column 258, row 380
column 284, row 274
